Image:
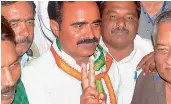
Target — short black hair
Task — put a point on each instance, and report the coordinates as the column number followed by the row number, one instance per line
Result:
column 6, row 3
column 55, row 8
column 6, row 31
column 103, row 4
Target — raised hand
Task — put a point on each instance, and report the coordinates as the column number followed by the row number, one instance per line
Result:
column 90, row 94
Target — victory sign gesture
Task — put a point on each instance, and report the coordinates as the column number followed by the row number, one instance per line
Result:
column 90, row 94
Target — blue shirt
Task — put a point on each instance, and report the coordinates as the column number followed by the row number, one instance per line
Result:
column 145, row 25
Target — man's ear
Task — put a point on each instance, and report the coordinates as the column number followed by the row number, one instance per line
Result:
column 55, row 27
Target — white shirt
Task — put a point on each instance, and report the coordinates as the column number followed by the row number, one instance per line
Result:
column 46, row 83
column 127, row 68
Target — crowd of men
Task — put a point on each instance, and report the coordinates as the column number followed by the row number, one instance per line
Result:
column 103, row 52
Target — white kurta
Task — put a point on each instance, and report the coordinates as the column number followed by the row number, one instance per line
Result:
column 46, row 83
column 127, row 67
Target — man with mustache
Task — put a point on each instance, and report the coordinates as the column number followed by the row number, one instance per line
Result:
column 10, row 63
column 119, row 27
column 156, row 89
column 20, row 15
column 60, row 75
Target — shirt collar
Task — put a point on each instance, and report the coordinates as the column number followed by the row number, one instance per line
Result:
column 163, row 8
column 124, row 60
column 68, row 59
column 24, row 60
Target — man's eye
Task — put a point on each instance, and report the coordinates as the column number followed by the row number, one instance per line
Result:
column 130, row 18
column 13, row 24
column 112, row 16
column 162, row 50
column 97, row 24
column 30, row 22
column 78, row 25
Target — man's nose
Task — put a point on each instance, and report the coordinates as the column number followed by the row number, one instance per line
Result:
column 24, row 31
column 121, row 22
column 8, row 77
column 90, row 32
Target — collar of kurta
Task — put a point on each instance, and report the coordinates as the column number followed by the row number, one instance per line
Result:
column 102, row 66
column 124, row 60
column 98, row 57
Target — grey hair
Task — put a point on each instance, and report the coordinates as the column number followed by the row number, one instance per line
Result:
column 163, row 17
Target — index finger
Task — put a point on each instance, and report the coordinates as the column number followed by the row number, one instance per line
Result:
column 84, row 77
column 91, row 75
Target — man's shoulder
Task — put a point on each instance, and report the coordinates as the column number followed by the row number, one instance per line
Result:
column 144, row 89
column 143, row 44
column 144, row 82
column 148, row 78
column 142, row 41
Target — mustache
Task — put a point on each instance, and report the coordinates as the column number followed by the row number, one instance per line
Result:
column 23, row 40
column 86, row 40
column 120, row 30
column 8, row 89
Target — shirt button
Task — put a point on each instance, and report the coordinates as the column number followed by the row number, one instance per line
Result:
column 147, row 30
